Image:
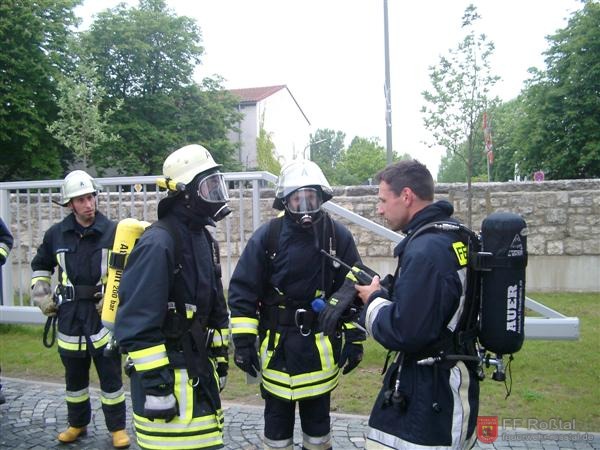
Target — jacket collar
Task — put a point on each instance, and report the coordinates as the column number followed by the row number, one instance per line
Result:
column 99, row 226
column 440, row 210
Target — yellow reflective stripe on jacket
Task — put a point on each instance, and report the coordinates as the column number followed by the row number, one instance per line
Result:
column 185, row 395
column 220, row 338
column 295, row 387
column 78, row 396
column 4, row 249
column 150, row 358
column 71, row 343
column 112, row 398
column 246, row 325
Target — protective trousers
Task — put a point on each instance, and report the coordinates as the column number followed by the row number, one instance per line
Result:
column 112, row 396
column 314, row 419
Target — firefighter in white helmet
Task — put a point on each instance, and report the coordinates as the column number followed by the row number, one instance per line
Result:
column 79, row 247
column 172, row 319
column 280, row 277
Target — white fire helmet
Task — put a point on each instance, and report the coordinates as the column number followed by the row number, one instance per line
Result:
column 298, row 174
column 184, row 164
column 75, row 184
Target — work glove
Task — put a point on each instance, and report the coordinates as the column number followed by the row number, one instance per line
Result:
column 42, row 298
column 160, row 404
column 338, row 304
column 222, row 369
column 352, row 354
column 246, row 358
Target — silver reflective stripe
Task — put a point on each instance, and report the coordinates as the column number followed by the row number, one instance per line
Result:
column 372, row 311
column 462, row 275
column 149, row 359
column 99, row 335
column 70, row 339
column 112, row 395
column 78, row 393
column 60, row 259
column 41, row 273
column 103, row 265
column 316, row 443
column 459, row 383
column 282, row 444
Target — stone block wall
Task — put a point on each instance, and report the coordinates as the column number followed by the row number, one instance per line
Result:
column 563, row 219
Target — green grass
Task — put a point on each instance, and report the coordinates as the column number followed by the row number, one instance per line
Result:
column 550, row 379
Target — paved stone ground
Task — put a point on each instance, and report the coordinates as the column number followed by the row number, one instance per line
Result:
column 36, row 412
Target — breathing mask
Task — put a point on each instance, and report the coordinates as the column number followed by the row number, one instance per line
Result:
column 304, row 205
column 209, row 195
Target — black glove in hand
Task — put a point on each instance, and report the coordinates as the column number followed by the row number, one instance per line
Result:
column 246, row 358
column 222, row 369
column 352, row 355
column 336, row 306
column 160, row 404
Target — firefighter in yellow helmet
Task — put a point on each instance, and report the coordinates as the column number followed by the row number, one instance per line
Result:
column 78, row 246
column 172, row 319
column 280, row 277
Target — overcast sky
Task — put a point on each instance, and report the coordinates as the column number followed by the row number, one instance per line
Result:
column 330, row 53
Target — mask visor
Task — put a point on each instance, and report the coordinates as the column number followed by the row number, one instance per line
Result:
column 304, row 201
column 212, row 189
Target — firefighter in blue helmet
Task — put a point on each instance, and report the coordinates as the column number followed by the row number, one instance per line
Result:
column 420, row 406
column 280, row 273
column 172, row 320
column 79, row 246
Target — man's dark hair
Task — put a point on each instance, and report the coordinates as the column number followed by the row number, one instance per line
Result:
column 408, row 173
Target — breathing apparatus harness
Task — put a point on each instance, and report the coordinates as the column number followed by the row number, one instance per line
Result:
column 281, row 310
column 493, row 315
column 183, row 328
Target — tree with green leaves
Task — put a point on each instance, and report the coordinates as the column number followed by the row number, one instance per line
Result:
column 81, row 127
column 33, row 48
column 326, row 148
column 461, row 84
column 360, row 162
column 145, row 50
column 560, row 129
column 146, row 57
column 265, row 150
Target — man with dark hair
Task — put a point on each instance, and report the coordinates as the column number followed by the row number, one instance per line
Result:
column 420, row 406
column 79, row 246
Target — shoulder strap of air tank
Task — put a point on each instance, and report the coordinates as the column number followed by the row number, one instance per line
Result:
column 177, row 290
column 273, row 237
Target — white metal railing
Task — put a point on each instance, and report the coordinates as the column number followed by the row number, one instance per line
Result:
column 122, row 197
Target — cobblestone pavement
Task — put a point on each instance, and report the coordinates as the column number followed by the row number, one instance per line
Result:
column 35, row 412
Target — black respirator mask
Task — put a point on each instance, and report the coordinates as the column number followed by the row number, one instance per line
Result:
column 304, row 205
column 208, row 196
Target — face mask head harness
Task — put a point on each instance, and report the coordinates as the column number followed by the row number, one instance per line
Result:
column 304, row 205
